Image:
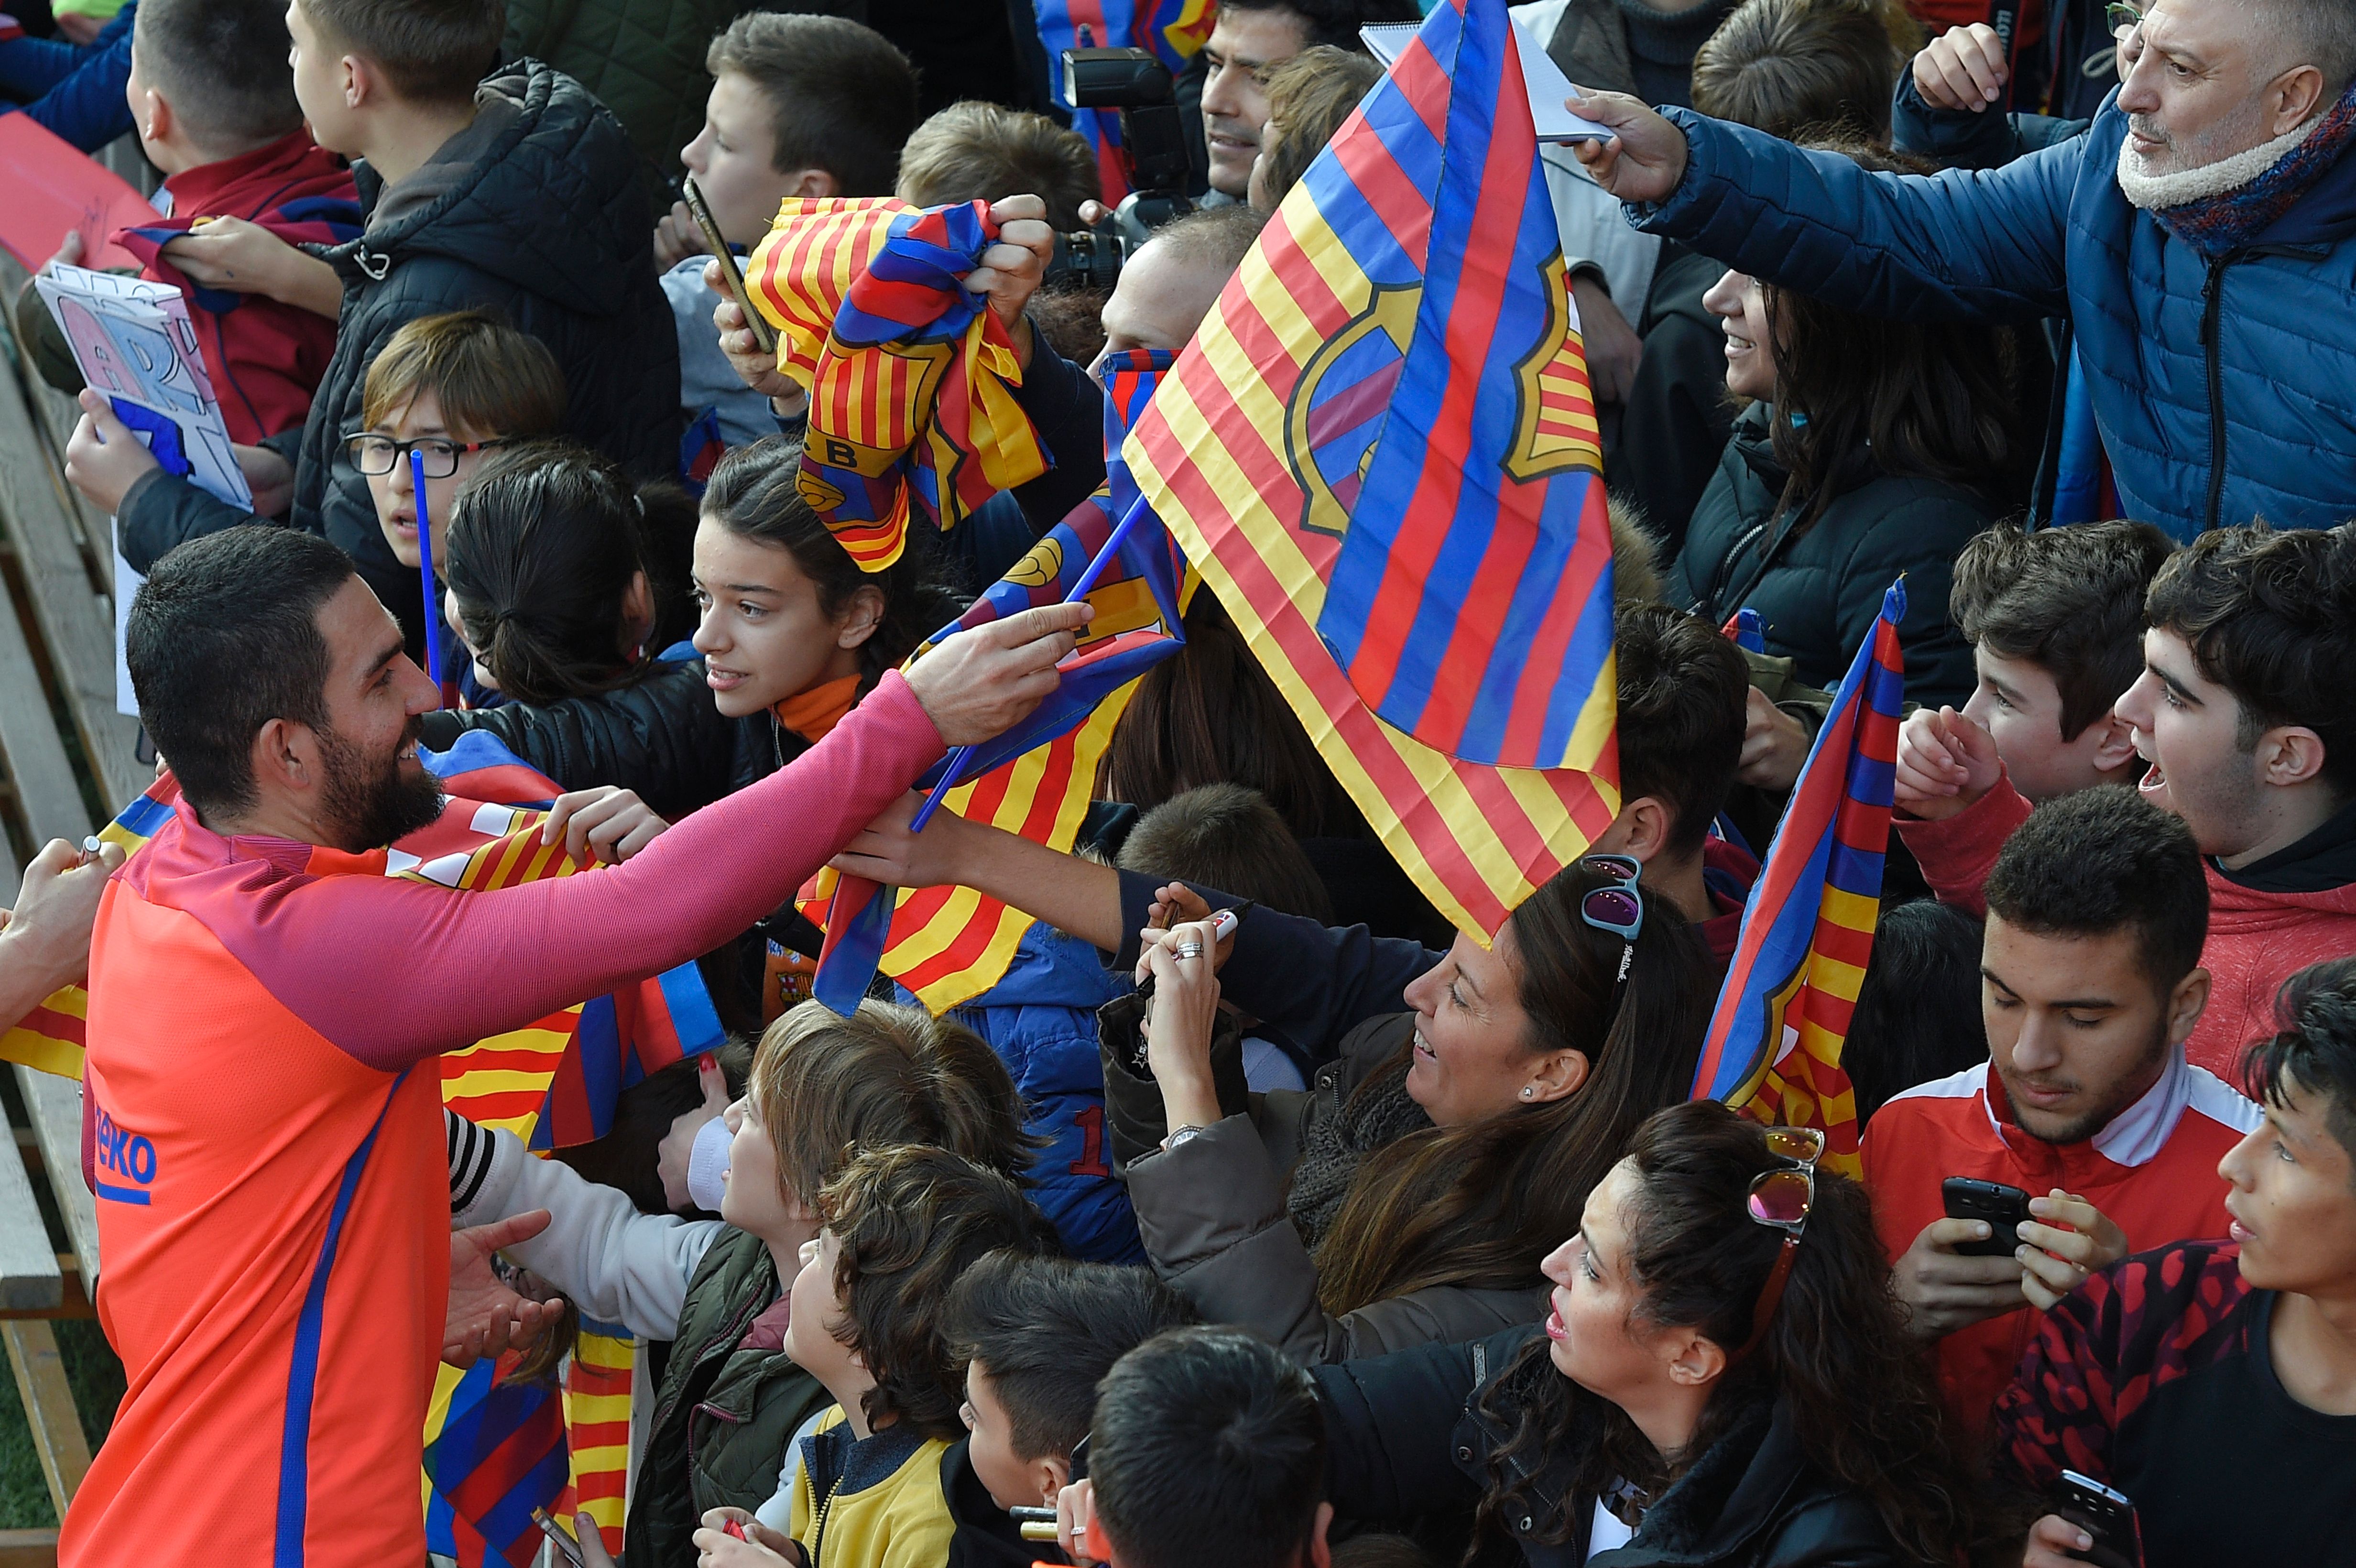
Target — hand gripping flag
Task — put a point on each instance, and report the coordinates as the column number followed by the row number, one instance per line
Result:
column 1380, row 453
column 553, row 1083
column 1773, row 1049
column 911, row 378
column 949, row 944
column 1173, row 30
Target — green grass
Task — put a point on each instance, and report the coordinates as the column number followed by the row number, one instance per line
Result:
column 97, row 1379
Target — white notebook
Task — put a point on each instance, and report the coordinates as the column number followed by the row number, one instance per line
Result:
column 1544, row 79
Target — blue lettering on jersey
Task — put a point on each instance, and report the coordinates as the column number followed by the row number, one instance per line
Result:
column 125, row 1154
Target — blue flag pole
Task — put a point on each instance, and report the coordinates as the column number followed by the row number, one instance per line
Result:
column 425, row 569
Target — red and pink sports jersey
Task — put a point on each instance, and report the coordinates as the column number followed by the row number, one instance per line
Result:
column 269, row 1156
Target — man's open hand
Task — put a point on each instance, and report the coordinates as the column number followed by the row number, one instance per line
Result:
column 485, row 1315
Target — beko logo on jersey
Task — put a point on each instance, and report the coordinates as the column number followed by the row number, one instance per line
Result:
column 124, row 1154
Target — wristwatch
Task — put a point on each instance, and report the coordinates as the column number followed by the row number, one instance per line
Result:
column 1179, row 1136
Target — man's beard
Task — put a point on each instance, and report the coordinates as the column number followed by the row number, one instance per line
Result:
column 367, row 802
column 2133, row 1086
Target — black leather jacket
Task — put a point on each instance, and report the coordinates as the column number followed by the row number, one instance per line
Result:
column 661, row 737
column 1405, row 1439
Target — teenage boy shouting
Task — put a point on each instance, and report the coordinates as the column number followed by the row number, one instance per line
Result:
column 2245, row 720
column 2090, row 983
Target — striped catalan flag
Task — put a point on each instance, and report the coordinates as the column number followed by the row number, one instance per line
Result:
column 1174, row 30
column 948, row 945
column 597, row 1427
column 551, row 1083
column 911, row 378
column 1773, row 1049
column 1380, row 453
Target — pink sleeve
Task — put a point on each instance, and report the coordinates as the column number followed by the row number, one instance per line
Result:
column 1957, row 855
column 395, row 971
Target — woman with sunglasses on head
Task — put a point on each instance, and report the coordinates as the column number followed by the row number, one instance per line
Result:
column 1724, row 1380
column 1410, row 1195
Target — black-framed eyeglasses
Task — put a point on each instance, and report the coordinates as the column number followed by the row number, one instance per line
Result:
column 377, row 454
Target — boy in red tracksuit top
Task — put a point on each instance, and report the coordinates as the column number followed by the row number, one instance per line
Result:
column 268, row 1157
column 2245, row 718
column 213, row 100
column 2086, row 1102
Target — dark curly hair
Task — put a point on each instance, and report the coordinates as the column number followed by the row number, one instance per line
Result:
column 906, row 1222
column 753, row 495
column 1836, row 1354
column 2271, row 616
column 2101, row 861
column 2313, row 1049
column 2069, row 601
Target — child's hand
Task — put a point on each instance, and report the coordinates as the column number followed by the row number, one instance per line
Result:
column 591, row 1542
column 1774, row 746
column 606, row 824
column 677, row 238
column 242, row 257
column 77, row 29
column 68, row 253
column 104, row 459
column 269, row 477
column 754, row 365
column 759, row 1547
column 1946, row 763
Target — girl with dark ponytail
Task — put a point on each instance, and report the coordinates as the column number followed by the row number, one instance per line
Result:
column 546, row 570
column 1724, row 1380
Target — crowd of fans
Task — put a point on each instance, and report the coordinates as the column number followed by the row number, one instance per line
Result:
column 1255, row 1216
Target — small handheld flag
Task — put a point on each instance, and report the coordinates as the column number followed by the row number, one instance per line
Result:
column 1773, row 1047
column 425, row 569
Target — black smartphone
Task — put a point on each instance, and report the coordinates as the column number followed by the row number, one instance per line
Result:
column 2105, row 1515
column 731, row 273
column 2004, row 1208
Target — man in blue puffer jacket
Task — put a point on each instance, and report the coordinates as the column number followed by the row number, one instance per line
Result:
column 2201, row 237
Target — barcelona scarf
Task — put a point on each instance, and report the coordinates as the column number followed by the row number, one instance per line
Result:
column 949, row 944
column 1381, row 454
column 1773, row 1049
column 911, row 377
column 1175, row 31
column 553, row 1083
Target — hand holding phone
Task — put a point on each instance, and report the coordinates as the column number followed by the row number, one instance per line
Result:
column 2104, row 1514
column 2002, row 1208
column 732, row 275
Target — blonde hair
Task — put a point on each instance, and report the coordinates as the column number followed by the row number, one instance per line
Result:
column 975, row 151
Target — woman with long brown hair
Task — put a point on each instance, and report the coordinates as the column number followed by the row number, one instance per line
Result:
column 1870, row 448
column 1410, row 1194
column 1725, row 1381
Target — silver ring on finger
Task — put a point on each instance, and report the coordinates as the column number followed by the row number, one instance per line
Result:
column 1187, row 950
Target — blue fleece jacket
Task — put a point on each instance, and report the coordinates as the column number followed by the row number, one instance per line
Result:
column 2223, row 391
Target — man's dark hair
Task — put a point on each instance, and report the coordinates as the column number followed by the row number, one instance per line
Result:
column 2271, row 617
column 1045, row 1330
column 2101, row 860
column 1208, row 1446
column 840, row 97
column 2069, row 601
column 1793, row 68
column 222, row 65
column 1684, row 700
column 1227, row 837
column 432, row 51
column 223, row 638
column 2313, row 1051
column 1334, row 22
column 1917, row 1017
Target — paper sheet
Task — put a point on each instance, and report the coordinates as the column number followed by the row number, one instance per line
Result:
column 1544, row 79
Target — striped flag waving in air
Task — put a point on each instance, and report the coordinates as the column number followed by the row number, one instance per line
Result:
column 950, row 944
column 1381, row 454
column 1773, row 1049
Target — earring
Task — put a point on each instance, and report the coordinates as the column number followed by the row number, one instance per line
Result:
column 1527, row 1091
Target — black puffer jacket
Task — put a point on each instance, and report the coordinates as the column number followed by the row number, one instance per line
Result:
column 1817, row 590
column 1406, row 1440
column 661, row 738
column 537, row 216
